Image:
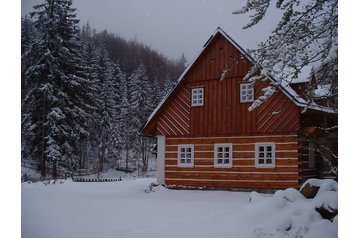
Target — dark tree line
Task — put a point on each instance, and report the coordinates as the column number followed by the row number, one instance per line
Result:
column 85, row 95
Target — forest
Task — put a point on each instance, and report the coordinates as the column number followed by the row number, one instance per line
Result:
column 86, row 94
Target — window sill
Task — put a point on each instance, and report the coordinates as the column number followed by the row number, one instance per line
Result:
column 185, row 165
column 264, row 166
column 223, row 166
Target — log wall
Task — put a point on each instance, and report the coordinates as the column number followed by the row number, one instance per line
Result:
column 243, row 174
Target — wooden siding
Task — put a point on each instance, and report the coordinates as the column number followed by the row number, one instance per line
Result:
column 175, row 119
column 243, row 173
column 223, row 113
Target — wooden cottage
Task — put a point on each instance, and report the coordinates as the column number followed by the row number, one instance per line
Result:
column 207, row 137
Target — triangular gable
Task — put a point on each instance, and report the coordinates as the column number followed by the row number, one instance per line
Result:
column 285, row 88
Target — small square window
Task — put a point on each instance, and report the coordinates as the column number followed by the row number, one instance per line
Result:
column 265, row 155
column 246, row 92
column 186, row 155
column 223, row 155
column 197, row 97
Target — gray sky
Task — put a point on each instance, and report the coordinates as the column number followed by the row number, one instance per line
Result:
column 168, row 26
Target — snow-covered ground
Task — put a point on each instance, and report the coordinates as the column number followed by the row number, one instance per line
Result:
column 123, row 209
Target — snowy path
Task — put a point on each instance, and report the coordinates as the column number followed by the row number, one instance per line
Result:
column 123, row 209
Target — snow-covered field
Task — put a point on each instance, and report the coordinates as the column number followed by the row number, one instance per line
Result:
column 123, row 209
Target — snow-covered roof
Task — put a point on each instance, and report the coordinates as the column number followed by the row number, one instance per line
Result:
column 284, row 85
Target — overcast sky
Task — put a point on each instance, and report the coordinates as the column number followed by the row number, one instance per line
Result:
column 171, row 27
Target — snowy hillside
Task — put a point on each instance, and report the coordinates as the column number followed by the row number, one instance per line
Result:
column 123, row 209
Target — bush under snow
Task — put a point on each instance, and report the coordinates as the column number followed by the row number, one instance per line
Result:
column 289, row 214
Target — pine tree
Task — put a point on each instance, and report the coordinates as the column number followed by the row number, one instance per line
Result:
column 141, row 103
column 125, row 130
column 106, row 107
column 121, row 100
column 58, row 103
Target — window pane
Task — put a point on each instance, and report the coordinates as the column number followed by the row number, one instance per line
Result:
column 261, row 148
column 188, row 149
column 268, row 148
column 226, row 161
column 262, row 155
column 188, row 155
column 182, row 150
column 227, row 155
column 261, row 161
column 220, row 161
column 188, row 161
column 243, row 93
column 182, row 161
column 243, row 86
column 227, row 149
column 269, row 161
column 269, row 155
column 249, row 92
column 220, row 155
column 182, row 155
column 220, row 149
column 194, row 96
column 243, row 98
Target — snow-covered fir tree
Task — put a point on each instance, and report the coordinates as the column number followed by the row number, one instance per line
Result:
column 79, row 108
column 57, row 105
column 106, row 107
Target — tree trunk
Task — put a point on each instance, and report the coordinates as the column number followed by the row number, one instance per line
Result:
column 54, row 170
column 127, row 155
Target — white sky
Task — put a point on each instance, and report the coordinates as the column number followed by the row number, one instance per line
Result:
column 168, row 26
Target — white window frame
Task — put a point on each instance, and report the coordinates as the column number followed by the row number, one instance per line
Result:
column 223, row 152
column 266, row 153
column 197, row 97
column 185, row 152
column 247, row 89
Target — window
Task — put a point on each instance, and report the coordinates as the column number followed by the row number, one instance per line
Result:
column 246, row 92
column 186, row 155
column 197, row 97
column 265, row 155
column 223, row 155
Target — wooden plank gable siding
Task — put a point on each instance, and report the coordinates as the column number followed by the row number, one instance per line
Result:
column 175, row 119
column 222, row 112
column 243, row 173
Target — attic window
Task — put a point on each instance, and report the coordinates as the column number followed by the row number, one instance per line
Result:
column 197, row 97
column 246, row 92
